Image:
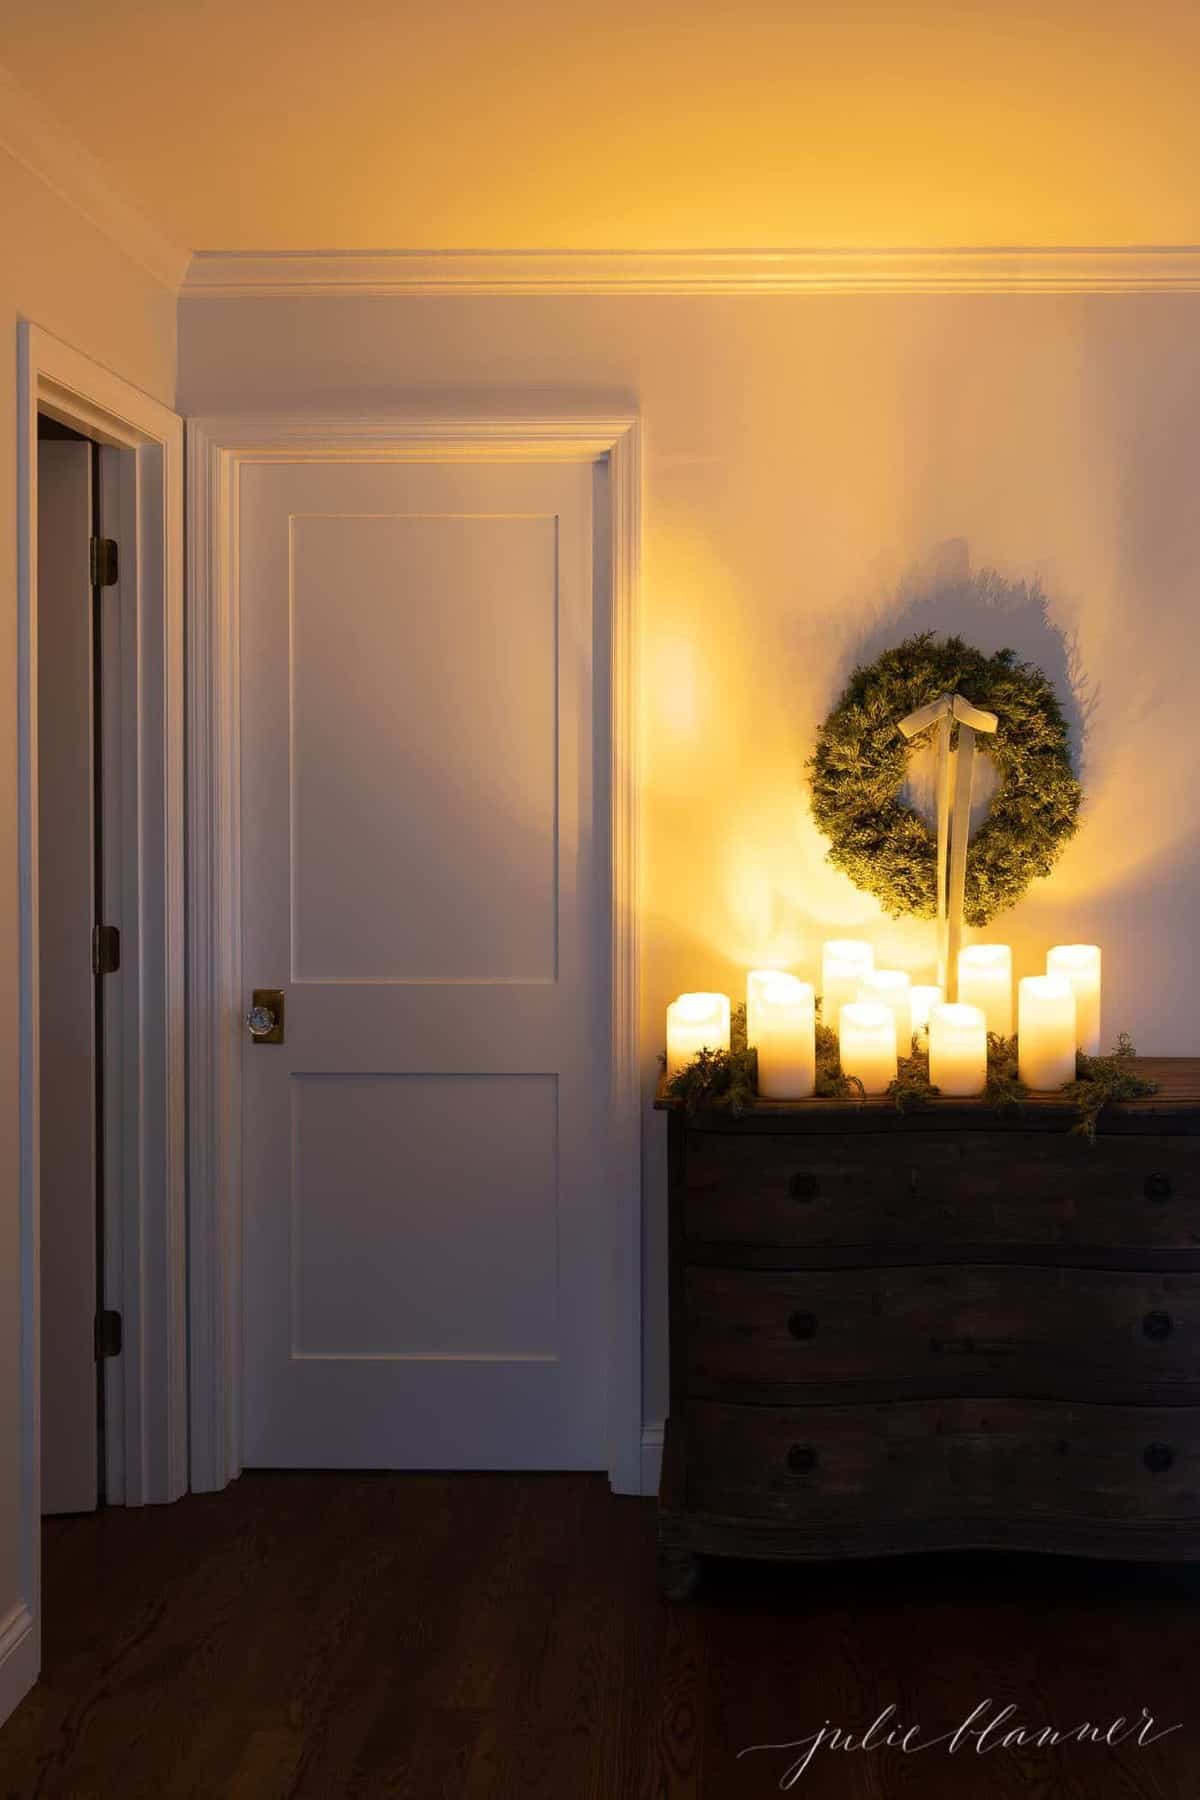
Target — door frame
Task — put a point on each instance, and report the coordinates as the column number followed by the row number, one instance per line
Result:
column 218, row 449
column 146, row 1232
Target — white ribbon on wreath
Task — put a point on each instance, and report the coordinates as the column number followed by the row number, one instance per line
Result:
column 953, row 816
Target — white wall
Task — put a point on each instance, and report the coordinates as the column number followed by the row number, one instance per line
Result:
column 62, row 273
column 805, row 454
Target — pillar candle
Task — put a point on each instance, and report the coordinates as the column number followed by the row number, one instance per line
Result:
column 892, row 987
column 695, row 1022
column 787, row 1042
column 1080, row 964
column 925, row 996
column 844, row 962
column 958, row 1049
column 985, row 978
column 756, row 981
column 1045, row 1031
column 867, row 1034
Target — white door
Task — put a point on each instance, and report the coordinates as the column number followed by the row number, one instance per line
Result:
column 67, row 990
column 424, row 1269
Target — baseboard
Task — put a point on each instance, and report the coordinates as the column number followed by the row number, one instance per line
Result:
column 652, row 1449
column 18, row 1658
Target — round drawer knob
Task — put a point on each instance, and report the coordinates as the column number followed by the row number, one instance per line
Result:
column 804, row 1187
column 803, row 1325
column 1158, row 1186
column 1157, row 1326
column 1158, row 1457
column 801, row 1459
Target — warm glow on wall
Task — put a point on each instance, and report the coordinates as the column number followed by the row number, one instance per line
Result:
column 673, row 680
column 737, row 872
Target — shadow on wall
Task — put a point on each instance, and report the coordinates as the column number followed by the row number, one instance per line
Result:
column 1142, row 920
column 990, row 613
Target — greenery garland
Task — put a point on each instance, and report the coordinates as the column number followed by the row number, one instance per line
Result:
column 1098, row 1079
column 728, row 1079
column 861, row 759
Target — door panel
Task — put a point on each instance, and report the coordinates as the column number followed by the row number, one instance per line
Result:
column 414, row 1199
column 67, row 996
column 423, row 1254
column 462, row 841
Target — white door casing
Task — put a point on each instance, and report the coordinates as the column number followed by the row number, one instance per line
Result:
column 480, row 1108
column 145, row 1253
column 423, row 1249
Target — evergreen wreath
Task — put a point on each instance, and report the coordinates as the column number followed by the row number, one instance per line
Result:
column 861, row 759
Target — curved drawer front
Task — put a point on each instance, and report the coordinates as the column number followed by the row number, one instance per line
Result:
column 987, row 1188
column 843, row 1466
column 952, row 1329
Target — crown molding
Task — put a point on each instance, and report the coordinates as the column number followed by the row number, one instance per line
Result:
column 338, row 273
column 43, row 145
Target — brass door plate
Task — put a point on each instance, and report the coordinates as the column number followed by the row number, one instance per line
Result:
column 272, row 998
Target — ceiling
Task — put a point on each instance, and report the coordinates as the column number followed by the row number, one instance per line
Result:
column 293, row 124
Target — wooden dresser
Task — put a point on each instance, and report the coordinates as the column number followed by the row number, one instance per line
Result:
column 943, row 1329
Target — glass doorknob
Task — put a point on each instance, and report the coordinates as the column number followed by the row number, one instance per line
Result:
column 264, row 1021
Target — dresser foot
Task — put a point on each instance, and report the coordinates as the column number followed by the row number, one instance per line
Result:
column 678, row 1574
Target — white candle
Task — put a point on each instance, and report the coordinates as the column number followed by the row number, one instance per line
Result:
column 1080, row 964
column 925, row 996
column 867, row 1034
column 892, row 987
column 844, row 962
column 787, row 1041
column 958, row 1049
column 756, row 981
column 985, row 978
column 1045, row 1031
column 695, row 1022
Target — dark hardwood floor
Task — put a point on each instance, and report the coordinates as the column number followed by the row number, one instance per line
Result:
column 501, row 1638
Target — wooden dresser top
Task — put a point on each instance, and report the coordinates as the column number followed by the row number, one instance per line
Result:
column 1173, row 1110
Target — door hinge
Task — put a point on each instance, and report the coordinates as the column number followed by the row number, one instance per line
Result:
column 106, row 949
column 104, row 562
column 108, row 1334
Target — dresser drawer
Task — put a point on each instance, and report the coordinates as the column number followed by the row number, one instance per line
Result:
column 940, row 1461
column 954, row 1329
column 999, row 1188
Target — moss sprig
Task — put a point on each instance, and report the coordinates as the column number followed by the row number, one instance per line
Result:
column 832, row 1084
column 725, row 1079
column 912, row 1088
column 1099, row 1079
column 1005, row 1090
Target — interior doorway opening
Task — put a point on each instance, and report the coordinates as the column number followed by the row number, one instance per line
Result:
column 82, row 673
